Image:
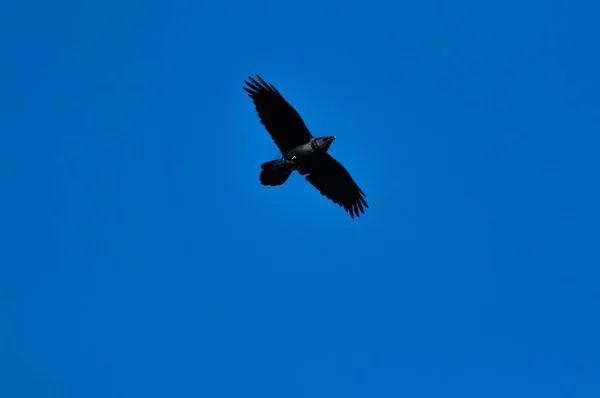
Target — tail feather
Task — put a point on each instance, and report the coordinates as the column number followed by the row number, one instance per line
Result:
column 271, row 175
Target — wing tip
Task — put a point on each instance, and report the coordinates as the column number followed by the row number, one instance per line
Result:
column 258, row 86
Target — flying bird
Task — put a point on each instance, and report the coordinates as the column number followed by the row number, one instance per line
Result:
column 301, row 151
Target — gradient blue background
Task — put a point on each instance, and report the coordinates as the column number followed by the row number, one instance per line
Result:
column 140, row 257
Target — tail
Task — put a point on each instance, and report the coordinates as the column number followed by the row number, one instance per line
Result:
column 273, row 175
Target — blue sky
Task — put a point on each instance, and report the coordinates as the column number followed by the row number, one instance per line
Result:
column 140, row 256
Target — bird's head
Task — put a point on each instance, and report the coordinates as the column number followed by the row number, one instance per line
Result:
column 323, row 143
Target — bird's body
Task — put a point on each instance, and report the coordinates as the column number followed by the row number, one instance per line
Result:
column 298, row 153
column 301, row 151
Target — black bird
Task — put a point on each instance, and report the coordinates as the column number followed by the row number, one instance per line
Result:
column 301, row 151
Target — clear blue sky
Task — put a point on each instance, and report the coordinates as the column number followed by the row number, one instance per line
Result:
column 141, row 257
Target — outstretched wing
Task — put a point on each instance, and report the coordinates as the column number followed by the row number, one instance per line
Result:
column 282, row 121
column 334, row 182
